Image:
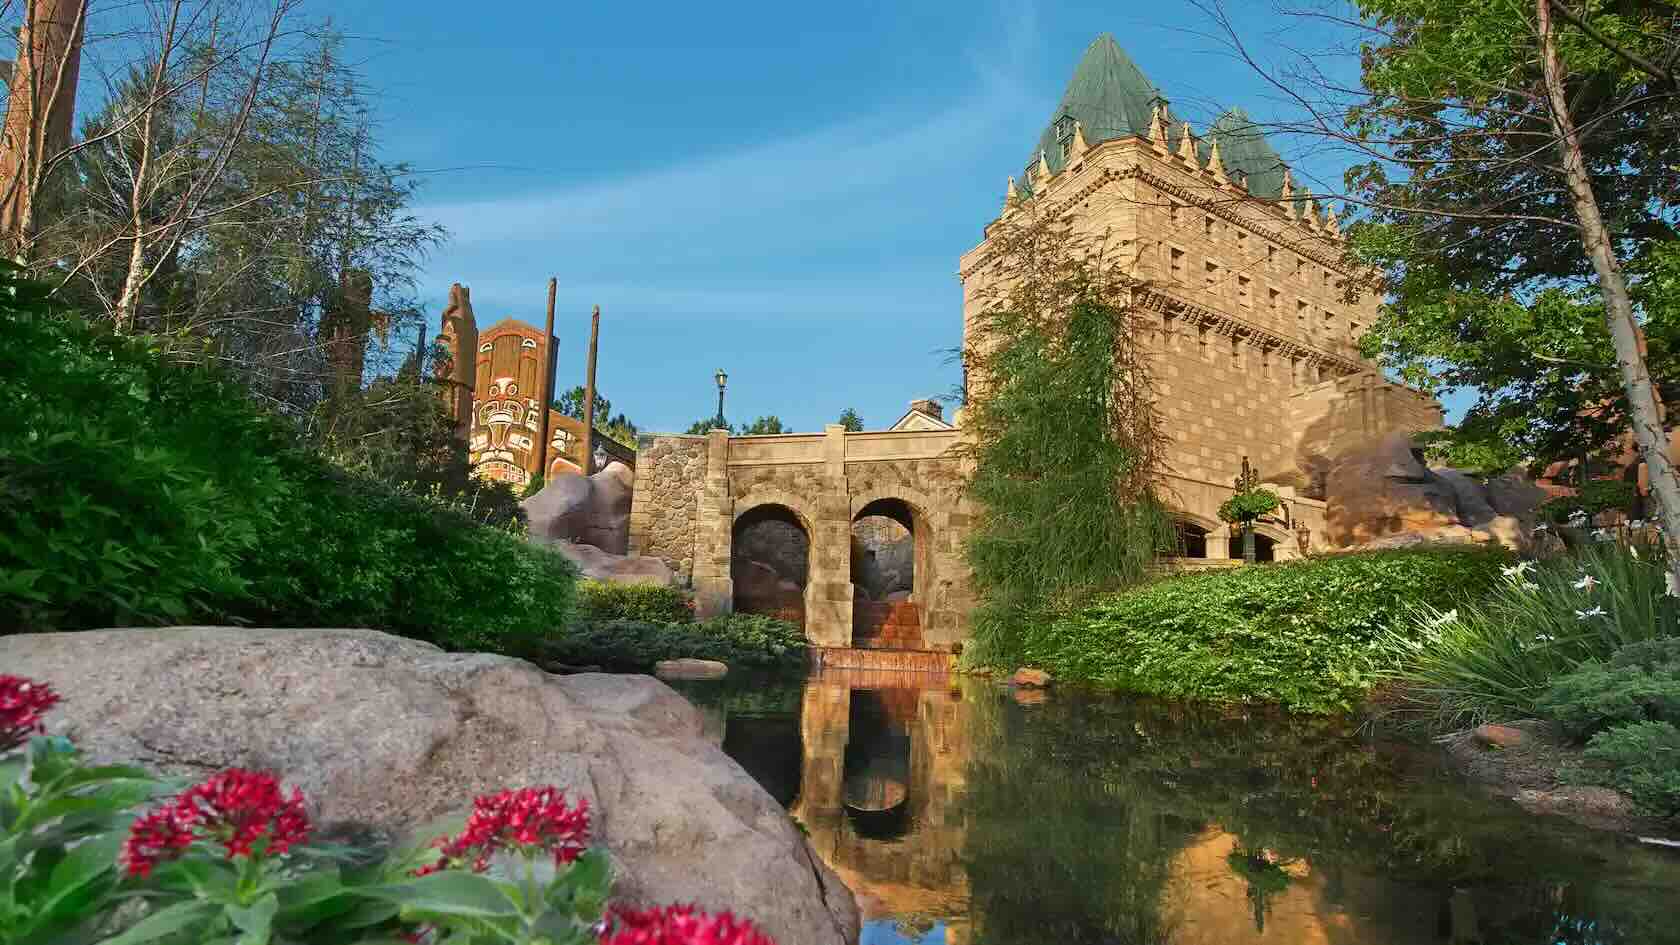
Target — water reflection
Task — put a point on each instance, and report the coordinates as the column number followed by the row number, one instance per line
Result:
column 963, row 814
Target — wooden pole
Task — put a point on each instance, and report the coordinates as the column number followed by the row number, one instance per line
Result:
column 589, row 396
column 546, row 385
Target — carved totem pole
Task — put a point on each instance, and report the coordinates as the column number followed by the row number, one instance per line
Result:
column 455, row 371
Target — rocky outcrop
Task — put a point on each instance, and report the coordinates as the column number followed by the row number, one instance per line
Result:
column 598, row 565
column 690, row 668
column 1521, row 760
column 591, row 511
column 761, row 589
column 385, row 734
column 1381, row 494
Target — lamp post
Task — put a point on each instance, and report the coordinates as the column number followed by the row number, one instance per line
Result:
column 722, row 380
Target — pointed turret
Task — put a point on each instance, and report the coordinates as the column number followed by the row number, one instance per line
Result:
column 1215, row 166
column 1187, row 147
column 1011, row 196
column 1041, row 173
column 1332, row 222
column 1158, row 130
column 1309, row 209
column 1080, row 145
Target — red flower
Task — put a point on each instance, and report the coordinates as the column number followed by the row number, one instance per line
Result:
column 235, row 808
column 527, row 821
column 22, row 704
column 679, row 925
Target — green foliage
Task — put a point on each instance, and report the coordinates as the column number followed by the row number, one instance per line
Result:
column 1591, row 498
column 1640, row 759
column 741, row 640
column 63, row 824
column 707, row 425
column 764, row 426
column 1067, row 447
column 850, row 420
column 1456, row 448
column 1494, row 659
column 1641, row 683
column 1309, row 634
column 604, row 601
column 1246, row 507
column 1488, row 283
column 148, row 492
column 617, row 427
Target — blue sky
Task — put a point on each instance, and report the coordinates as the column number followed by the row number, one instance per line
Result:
column 780, row 190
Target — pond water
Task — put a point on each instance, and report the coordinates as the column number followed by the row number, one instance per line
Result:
column 963, row 813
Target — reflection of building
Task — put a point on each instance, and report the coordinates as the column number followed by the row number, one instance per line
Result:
column 505, row 422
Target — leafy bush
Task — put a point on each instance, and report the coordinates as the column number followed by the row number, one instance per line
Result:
column 1494, row 659
column 602, row 601
column 233, row 858
column 1305, row 634
column 1592, row 498
column 139, row 491
column 1641, row 683
column 741, row 640
column 1642, row 760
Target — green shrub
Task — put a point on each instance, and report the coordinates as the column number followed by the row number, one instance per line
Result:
column 1642, row 760
column 741, row 640
column 141, row 491
column 1495, row 659
column 1304, row 634
column 1641, row 683
column 603, row 601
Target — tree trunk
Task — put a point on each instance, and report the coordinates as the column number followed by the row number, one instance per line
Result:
column 39, row 112
column 1644, row 411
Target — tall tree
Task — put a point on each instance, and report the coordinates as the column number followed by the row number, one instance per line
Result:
column 764, row 426
column 850, row 420
column 1067, row 445
column 1521, row 181
column 617, row 426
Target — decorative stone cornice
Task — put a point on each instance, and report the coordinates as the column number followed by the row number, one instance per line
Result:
column 1230, row 326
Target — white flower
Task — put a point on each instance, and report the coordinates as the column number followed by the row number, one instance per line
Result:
column 1672, row 583
column 1637, row 523
column 1578, row 518
column 1586, row 583
column 1542, row 527
column 1600, row 534
column 1584, row 614
column 1517, row 570
column 1444, row 619
column 1543, row 638
column 1529, row 586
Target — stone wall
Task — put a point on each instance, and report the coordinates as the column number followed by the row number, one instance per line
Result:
column 669, row 474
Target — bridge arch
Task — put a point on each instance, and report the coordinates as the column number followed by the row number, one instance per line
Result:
column 771, row 540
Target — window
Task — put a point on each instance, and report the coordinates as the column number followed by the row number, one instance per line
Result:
column 1067, row 150
column 1300, row 266
column 1211, row 277
column 1276, row 302
column 1242, row 245
column 1302, row 310
column 1236, row 353
column 1271, row 258
column 1245, row 291
column 1175, row 257
column 1207, row 226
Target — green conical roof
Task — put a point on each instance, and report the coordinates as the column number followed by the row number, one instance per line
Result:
column 1109, row 96
column 1243, row 148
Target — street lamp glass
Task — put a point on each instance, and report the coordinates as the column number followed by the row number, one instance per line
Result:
column 722, row 378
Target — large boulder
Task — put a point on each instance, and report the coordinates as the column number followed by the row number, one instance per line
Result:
column 593, row 510
column 1382, row 488
column 384, row 734
column 598, row 565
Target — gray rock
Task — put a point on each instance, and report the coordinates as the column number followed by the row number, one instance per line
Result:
column 385, row 734
column 593, row 510
column 689, row 668
column 598, row 565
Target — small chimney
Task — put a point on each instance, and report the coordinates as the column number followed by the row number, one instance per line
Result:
column 928, row 407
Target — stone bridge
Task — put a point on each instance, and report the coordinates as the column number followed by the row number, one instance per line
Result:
column 695, row 494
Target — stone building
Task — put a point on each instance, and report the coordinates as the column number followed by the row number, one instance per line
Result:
column 505, row 422
column 1241, row 301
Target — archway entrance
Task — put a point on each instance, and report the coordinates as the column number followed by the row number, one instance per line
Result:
column 1192, row 539
column 1265, row 547
column 888, row 560
column 769, row 563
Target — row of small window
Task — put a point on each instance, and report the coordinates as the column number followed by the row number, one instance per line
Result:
column 1213, row 281
column 1275, row 258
